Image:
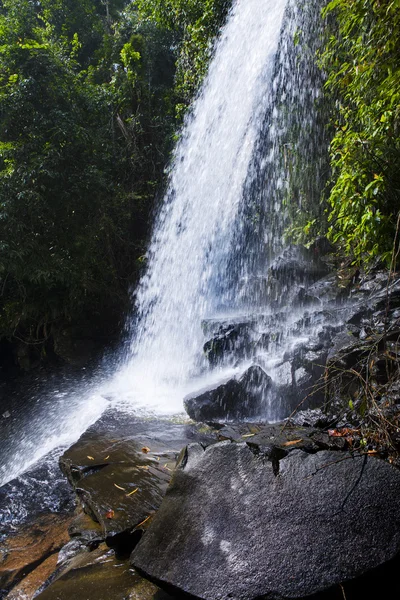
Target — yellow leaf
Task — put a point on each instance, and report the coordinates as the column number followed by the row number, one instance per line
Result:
column 132, row 492
column 143, row 522
column 292, row 442
column 90, row 457
column 247, row 435
column 119, row 487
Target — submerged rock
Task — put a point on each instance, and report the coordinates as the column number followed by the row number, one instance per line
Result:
column 28, row 497
column 234, row 400
column 27, row 588
column 31, row 546
column 232, row 527
column 100, row 575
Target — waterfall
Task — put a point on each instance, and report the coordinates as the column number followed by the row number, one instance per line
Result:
column 189, row 256
column 219, row 227
column 227, row 162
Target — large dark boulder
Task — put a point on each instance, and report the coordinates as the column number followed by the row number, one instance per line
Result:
column 232, row 527
column 234, row 400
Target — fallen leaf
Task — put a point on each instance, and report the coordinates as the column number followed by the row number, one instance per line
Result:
column 248, row 435
column 90, row 457
column 344, row 432
column 166, row 467
column 143, row 522
column 292, row 442
column 132, row 492
column 145, row 467
column 107, row 457
column 110, row 514
column 145, row 449
column 254, row 429
column 119, row 487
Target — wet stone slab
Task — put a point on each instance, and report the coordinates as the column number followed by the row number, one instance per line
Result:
column 101, row 575
column 120, row 469
column 27, row 588
column 28, row 548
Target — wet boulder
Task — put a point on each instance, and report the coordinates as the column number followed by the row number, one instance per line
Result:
column 310, row 418
column 86, row 530
column 235, row 399
column 231, row 342
column 346, row 351
column 28, row 497
column 34, row 518
column 234, row 527
column 304, row 299
column 120, row 469
column 327, row 291
column 298, row 381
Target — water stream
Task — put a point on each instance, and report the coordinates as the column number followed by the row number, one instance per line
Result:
column 219, row 227
column 189, row 256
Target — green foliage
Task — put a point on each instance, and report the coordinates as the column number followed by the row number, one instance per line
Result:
column 88, row 97
column 55, row 184
column 361, row 60
column 196, row 23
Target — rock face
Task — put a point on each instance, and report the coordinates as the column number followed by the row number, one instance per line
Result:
column 297, row 263
column 238, row 530
column 234, row 400
column 366, row 356
column 120, row 469
column 234, row 340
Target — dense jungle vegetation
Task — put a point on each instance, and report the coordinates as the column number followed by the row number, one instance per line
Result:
column 92, row 94
column 362, row 64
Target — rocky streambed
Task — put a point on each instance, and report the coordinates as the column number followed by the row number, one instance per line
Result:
column 242, row 511
column 227, row 505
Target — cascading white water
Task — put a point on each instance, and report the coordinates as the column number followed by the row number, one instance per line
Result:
column 198, row 257
column 190, row 250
